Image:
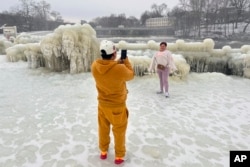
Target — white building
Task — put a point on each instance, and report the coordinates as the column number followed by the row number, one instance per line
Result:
column 158, row 22
column 9, row 32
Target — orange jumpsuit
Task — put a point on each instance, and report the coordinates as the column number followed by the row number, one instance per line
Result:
column 110, row 78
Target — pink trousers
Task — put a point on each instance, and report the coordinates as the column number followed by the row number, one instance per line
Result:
column 163, row 76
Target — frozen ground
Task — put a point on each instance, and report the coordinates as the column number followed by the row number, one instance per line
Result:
column 50, row 120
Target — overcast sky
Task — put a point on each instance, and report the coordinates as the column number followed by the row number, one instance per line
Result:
column 76, row 10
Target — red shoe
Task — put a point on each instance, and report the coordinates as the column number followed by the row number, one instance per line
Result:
column 119, row 160
column 103, row 155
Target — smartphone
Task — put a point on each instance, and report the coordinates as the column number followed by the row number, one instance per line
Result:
column 123, row 54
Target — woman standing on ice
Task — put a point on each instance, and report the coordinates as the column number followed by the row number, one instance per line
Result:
column 110, row 77
column 164, row 63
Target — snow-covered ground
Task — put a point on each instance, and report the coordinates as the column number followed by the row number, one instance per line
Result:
column 49, row 119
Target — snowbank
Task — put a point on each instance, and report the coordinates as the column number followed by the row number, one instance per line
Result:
column 50, row 120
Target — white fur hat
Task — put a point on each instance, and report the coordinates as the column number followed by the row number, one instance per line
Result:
column 108, row 47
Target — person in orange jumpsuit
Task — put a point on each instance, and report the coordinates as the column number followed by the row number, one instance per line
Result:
column 110, row 77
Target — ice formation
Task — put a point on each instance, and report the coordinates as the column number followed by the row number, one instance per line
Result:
column 25, row 38
column 4, row 44
column 16, row 53
column 202, row 57
column 75, row 47
column 34, row 55
column 71, row 47
column 141, row 60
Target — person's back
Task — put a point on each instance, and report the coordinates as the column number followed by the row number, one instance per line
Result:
column 110, row 77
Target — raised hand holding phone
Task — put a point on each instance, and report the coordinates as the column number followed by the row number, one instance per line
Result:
column 123, row 54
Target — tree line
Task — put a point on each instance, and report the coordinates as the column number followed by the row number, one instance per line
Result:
column 31, row 16
column 189, row 16
column 194, row 15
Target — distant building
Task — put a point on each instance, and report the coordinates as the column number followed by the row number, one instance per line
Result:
column 121, row 26
column 9, row 32
column 158, row 22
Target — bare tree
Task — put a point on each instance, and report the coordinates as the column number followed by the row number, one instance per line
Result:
column 210, row 12
column 27, row 12
column 185, row 7
column 247, row 20
column 159, row 10
column 183, row 21
column 241, row 6
column 197, row 7
column 31, row 15
column 56, row 16
column 132, row 22
column 156, row 11
column 42, row 9
column 145, row 15
column 42, row 13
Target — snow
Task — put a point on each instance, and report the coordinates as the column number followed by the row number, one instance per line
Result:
column 49, row 119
